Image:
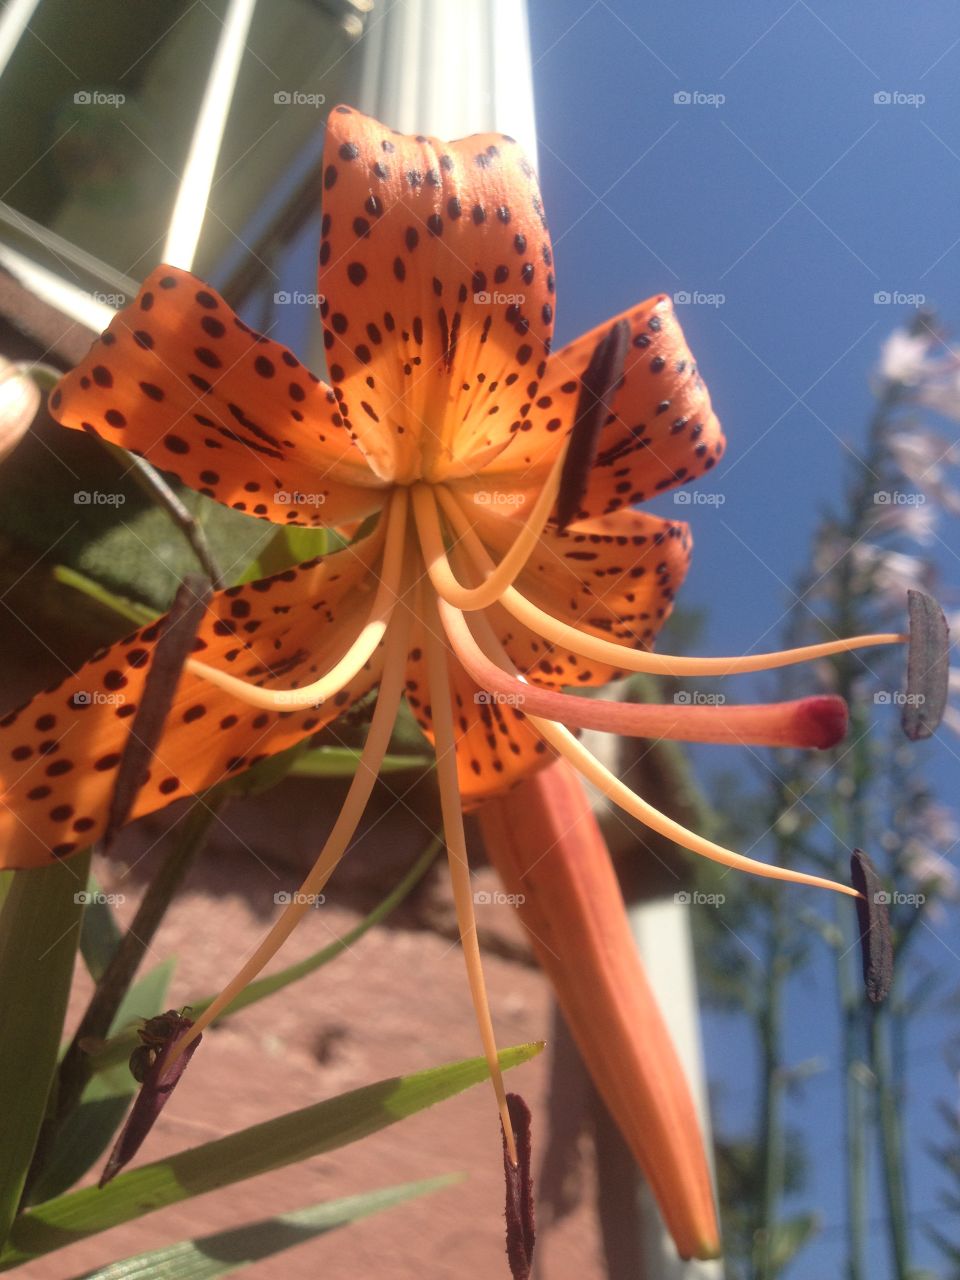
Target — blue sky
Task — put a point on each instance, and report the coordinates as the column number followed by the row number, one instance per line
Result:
column 785, row 187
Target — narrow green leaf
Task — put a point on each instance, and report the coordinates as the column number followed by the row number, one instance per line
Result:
column 86, row 1135
column 129, row 610
column 341, row 762
column 286, row 1140
column 289, row 545
column 226, row 1252
column 39, row 934
column 99, row 931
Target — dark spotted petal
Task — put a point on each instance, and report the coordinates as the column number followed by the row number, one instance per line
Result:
column 437, row 267
column 178, row 378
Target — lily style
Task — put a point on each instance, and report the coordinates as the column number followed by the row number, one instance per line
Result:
column 443, row 445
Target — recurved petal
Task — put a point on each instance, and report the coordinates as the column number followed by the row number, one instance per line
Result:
column 614, row 576
column 661, row 433
column 181, row 380
column 437, row 266
column 59, row 753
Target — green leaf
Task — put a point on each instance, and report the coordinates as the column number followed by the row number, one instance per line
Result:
column 99, row 932
column 289, row 545
column 785, row 1241
column 39, row 933
column 324, row 1127
column 341, row 762
column 87, row 1133
column 228, row 1251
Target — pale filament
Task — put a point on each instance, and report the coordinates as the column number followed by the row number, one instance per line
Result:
column 565, row 744
column 445, row 746
column 368, row 767
column 360, row 651
column 621, row 656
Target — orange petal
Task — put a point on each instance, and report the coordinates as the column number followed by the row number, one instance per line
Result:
column 59, row 753
column 181, row 380
column 614, row 577
column 546, row 845
column 662, row 432
column 495, row 745
column 437, row 267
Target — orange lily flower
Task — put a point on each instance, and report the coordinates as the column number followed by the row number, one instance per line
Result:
column 549, row 851
column 450, row 420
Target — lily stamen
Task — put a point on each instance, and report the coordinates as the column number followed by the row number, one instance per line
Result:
column 360, row 651
column 348, row 819
column 640, row 660
column 564, row 743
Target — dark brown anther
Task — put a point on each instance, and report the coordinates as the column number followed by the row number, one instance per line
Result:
column 148, row 1063
column 876, row 941
column 171, row 652
column 598, row 383
column 519, row 1211
column 928, row 667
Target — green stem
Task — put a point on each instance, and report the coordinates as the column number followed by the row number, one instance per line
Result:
column 76, row 1066
column 890, row 1143
column 771, row 1145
